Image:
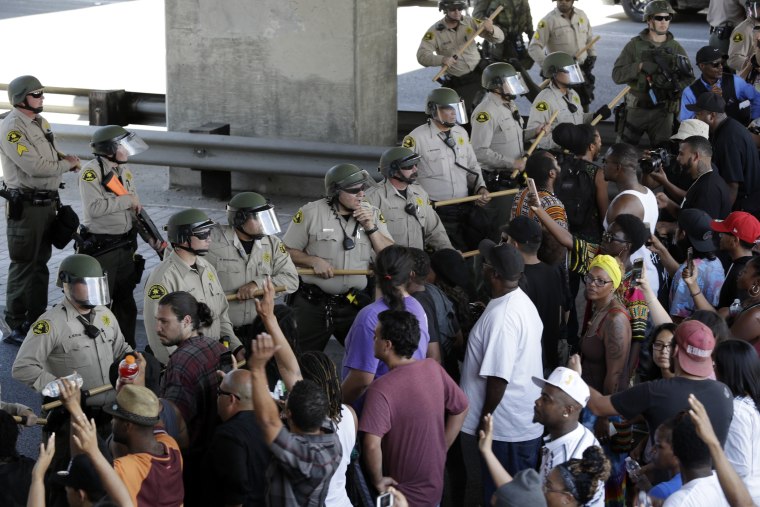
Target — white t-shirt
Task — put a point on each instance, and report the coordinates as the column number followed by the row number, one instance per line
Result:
column 699, row 493
column 742, row 447
column 506, row 343
column 336, row 492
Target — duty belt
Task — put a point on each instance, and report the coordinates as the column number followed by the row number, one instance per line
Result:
column 315, row 295
column 39, row 197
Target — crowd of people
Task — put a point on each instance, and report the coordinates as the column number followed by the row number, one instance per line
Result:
column 589, row 336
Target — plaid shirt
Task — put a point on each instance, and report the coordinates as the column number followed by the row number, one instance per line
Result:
column 301, row 468
column 190, row 382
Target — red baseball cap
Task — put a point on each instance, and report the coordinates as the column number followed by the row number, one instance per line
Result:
column 695, row 346
column 739, row 223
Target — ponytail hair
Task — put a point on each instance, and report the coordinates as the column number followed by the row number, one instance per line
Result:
column 183, row 303
column 393, row 267
column 582, row 477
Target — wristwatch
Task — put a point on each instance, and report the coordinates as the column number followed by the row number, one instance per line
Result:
column 369, row 232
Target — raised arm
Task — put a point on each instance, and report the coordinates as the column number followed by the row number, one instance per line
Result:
column 267, row 413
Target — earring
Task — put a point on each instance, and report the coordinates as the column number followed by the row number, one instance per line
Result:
column 754, row 291
column 564, row 415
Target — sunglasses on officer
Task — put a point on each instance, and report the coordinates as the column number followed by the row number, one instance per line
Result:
column 202, row 234
column 36, row 94
column 355, row 190
column 662, row 18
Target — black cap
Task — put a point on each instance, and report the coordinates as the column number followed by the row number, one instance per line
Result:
column 710, row 102
column 708, row 54
column 450, row 266
column 523, row 230
column 504, row 258
column 698, row 228
column 80, row 475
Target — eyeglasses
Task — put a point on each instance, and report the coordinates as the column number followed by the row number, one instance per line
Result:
column 36, row 95
column 596, row 282
column 219, row 392
column 607, row 237
column 662, row 18
column 659, row 346
column 714, row 65
column 354, row 190
column 202, row 234
column 455, row 8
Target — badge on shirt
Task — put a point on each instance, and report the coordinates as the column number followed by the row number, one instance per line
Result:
column 535, row 35
column 541, row 24
column 580, row 21
column 41, row 327
column 381, row 217
column 408, row 142
column 14, row 136
column 266, row 257
column 210, row 275
column 482, row 117
column 89, row 175
column 542, row 106
column 428, row 36
column 106, row 320
column 298, row 217
column 738, row 37
column 419, row 201
column 282, row 248
column 156, row 292
column 469, row 31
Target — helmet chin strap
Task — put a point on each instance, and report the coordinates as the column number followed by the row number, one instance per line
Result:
column 400, row 177
column 444, row 123
column 25, row 105
column 254, row 237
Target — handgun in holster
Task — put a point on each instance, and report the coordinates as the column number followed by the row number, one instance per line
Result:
column 15, row 204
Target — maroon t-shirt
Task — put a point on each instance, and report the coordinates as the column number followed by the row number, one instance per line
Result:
column 407, row 408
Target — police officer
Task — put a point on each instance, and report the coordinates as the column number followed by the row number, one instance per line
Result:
column 185, row 269
column 32, row 169
column 567, row 29
column 442, row 40
column 81, row 334
column 411, row 219
column 657, row 69
column 337, row 232
column 742, row 45
column 448, row 167
column 245, row 252
column 723, row 16
column 109, row 201
column 563, row 72
column 516, row 23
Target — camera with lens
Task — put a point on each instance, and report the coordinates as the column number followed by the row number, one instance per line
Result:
column 655, row 160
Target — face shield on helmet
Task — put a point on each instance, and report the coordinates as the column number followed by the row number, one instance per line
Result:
column 266, row 217
column 575, row 75
column 360, row 178
column 513, row 85
column 87, row 292
column 132, row 144
column 450, row 114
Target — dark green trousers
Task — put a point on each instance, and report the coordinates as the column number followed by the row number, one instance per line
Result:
column 119, row 265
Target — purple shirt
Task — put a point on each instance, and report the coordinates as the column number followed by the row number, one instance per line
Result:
column 360, row 342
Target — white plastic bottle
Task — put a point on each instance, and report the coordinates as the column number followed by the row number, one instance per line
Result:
column 52, row 390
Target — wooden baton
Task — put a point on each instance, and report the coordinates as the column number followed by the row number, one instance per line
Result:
column 88, row 392
column 471, row 198
column 612, row 104
column 471, row 253
column 257, row 293
column 468, row 42
column 309, row 271
column 535, row 142
column 578, row 54
column 22, row 420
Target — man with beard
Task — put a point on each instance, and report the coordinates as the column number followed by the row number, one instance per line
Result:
column 708, row 192
column 185, row 269
column 337, row 232
column 411, row 219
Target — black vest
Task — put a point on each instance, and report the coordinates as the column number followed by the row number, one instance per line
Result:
column 743, row 116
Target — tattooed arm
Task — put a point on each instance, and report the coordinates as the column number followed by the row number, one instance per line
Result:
column 616, row 333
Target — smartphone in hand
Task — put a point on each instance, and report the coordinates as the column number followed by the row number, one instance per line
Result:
column 638, row 266
column 690, row 260
column 532, row 188
column 384, row 500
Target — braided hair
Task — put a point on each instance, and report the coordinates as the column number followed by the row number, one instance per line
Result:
column 583, row 476
column 319, row 368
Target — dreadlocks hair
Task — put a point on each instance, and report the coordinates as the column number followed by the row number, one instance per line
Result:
column 319, row 368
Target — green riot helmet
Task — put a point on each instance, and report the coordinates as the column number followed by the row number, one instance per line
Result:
column 753, row 8
column 343, row 176
column 107, row 140
column 562, row 62
column 19, row 88
column 185, row 224
column 446, row 5
column 502, row 78
column 395, row 159
column 442, row 101
column 83, row 281
column 246, row 205
column 657, row 7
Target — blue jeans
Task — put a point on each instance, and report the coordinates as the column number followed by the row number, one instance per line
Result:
column 513, row 456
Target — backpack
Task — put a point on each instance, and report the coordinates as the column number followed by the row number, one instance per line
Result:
column 577, row 191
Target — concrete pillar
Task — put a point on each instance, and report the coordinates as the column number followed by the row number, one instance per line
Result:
column 320, row 70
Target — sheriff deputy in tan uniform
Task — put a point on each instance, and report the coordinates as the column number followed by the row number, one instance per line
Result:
column 563, row 72
column 81, row 334
column 409, row 215
column 245, row 252
column 740, row 48
column 337, row 232
column 109, row 230
column 185, row 269
column 442, row 40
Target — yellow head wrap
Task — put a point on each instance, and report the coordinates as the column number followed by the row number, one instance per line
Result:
column 610, row 266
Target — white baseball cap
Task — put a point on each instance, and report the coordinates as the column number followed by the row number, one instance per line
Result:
column 569, row 381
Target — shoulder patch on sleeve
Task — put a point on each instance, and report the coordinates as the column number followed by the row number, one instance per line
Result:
column 21, row 149
column 14, row 136
column 282, row 248
column 738, row 37
column 482, row 117
column 541, row 24
column 408, row 142
column 536, row 36
column 298, row 217
column 542, row 106
column 428, row 36
column 89, row 175
column 156, row 292
column 41, row 327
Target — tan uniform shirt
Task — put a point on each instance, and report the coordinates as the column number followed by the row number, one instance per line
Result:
column 237, row 268
column 318, row 230
column 722, row 11
column 438, row 172
column 420, row 232
column 56, row 346
column 12, row 408
column 104, row 211
column 173, row 274
column 740, row 46
column 30, row 161
column 549, row 100
column 440, row 41
column 497, row 137
column 557, row 33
